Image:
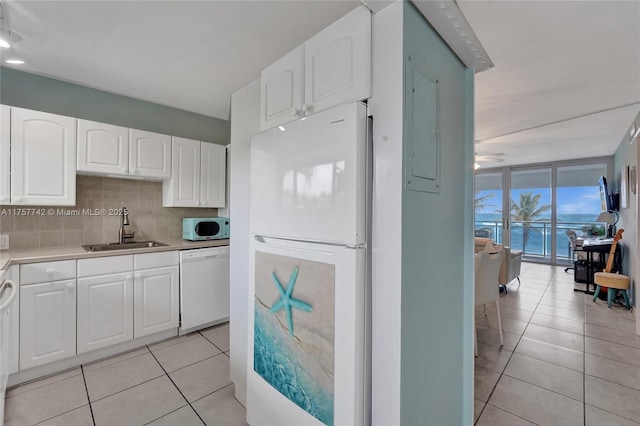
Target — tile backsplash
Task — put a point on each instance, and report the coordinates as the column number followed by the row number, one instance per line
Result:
column 65, row 228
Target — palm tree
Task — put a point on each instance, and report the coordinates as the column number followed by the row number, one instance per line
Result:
column 527, row 211
column 479, row 202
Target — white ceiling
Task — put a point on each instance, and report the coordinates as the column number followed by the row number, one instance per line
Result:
column 190, row 55
column 566, row 82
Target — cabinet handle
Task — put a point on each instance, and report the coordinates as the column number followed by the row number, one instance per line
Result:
column 134, row 171
column 3, row 198
column 50, row 272
column 297, row 112
column 128, row 277
column 69, row 285
column 124, row 169
column 138, row 276
column 17, row 199
column 307, row 108
column 14, row 291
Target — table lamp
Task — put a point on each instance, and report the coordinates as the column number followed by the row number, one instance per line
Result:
column 610, row 218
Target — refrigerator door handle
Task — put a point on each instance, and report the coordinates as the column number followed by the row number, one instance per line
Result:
column 306, row 246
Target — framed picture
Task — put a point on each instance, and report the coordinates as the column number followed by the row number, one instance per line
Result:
column 624, row 185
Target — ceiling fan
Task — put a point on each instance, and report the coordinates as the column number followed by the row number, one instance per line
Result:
column 484, row 159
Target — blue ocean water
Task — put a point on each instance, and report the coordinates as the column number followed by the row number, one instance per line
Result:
column 539, row 239
column 278, row 359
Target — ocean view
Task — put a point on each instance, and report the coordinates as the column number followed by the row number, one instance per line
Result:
column 539, row 241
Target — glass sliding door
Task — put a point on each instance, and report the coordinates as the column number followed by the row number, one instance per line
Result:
column 530, row 213
column 534, row 209
column 577, row 206
column 488, row 205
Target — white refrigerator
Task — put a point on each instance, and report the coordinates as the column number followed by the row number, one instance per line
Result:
column 308, row 348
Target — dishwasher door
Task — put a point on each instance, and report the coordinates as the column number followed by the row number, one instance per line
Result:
column 204, row 287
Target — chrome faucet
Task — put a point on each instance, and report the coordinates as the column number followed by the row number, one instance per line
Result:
column 124, row 221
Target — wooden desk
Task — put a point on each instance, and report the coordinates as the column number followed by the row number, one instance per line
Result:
column 602, row 247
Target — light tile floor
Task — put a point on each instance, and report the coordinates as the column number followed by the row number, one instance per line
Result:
column 181, row 381
column 565, row 361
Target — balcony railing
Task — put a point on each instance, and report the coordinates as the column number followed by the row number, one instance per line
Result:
column 538, row 241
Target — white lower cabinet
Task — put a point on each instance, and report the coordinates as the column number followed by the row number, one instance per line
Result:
column 47, row 322
column 105, row 311
column 155, row 300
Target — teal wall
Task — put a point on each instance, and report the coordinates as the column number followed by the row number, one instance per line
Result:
column 437, row 261
column 627, row 155
column 40, row 93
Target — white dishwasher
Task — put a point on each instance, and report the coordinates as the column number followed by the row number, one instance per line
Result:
column 204, row 287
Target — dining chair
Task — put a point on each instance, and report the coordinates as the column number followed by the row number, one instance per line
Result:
column 487, row 270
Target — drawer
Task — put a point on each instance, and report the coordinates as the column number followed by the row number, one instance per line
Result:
column 43, row 272
column 155, row 260
column 105, row 265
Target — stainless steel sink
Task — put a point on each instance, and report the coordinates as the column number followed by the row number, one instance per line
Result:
column 123, row 246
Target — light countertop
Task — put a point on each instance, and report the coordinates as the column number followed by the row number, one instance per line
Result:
column 13, row 257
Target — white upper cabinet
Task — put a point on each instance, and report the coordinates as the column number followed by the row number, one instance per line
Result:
column 337, row 63
column 103, row 148
column 213, row 175
column 331, row 68
column 197, row 176
column 43, row 158
column 183, row 189
column 281, row 90
column 5, row 138
column 149, row 154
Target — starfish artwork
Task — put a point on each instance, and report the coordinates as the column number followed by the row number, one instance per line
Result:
column 287, row 302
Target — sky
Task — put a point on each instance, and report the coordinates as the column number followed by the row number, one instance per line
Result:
column 571, row 200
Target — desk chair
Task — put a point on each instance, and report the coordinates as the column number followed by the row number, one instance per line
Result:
column 613, row 282
column 573, row 240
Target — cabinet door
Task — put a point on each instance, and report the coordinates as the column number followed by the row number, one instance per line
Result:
column 155, row 300
column 281, row 90
column 103, row 148
column 43, row 158
column 47, row 322
column 337, row 63
column 5, row 138
column 149, row 154
column 183, row 189
column 105, row 311
column 213, row 174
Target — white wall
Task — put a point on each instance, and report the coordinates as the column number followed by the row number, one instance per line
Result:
column 386, row 107
column 245, row 123
column 628, row 154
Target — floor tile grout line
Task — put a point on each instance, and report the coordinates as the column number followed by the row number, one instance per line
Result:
column 611, row 412
column 509, row 360
column 176, row 386
column 39, row 379
column 211, row 341
column 171, row 412
column 86, row 388
column 115, row 363
column 502, row 373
